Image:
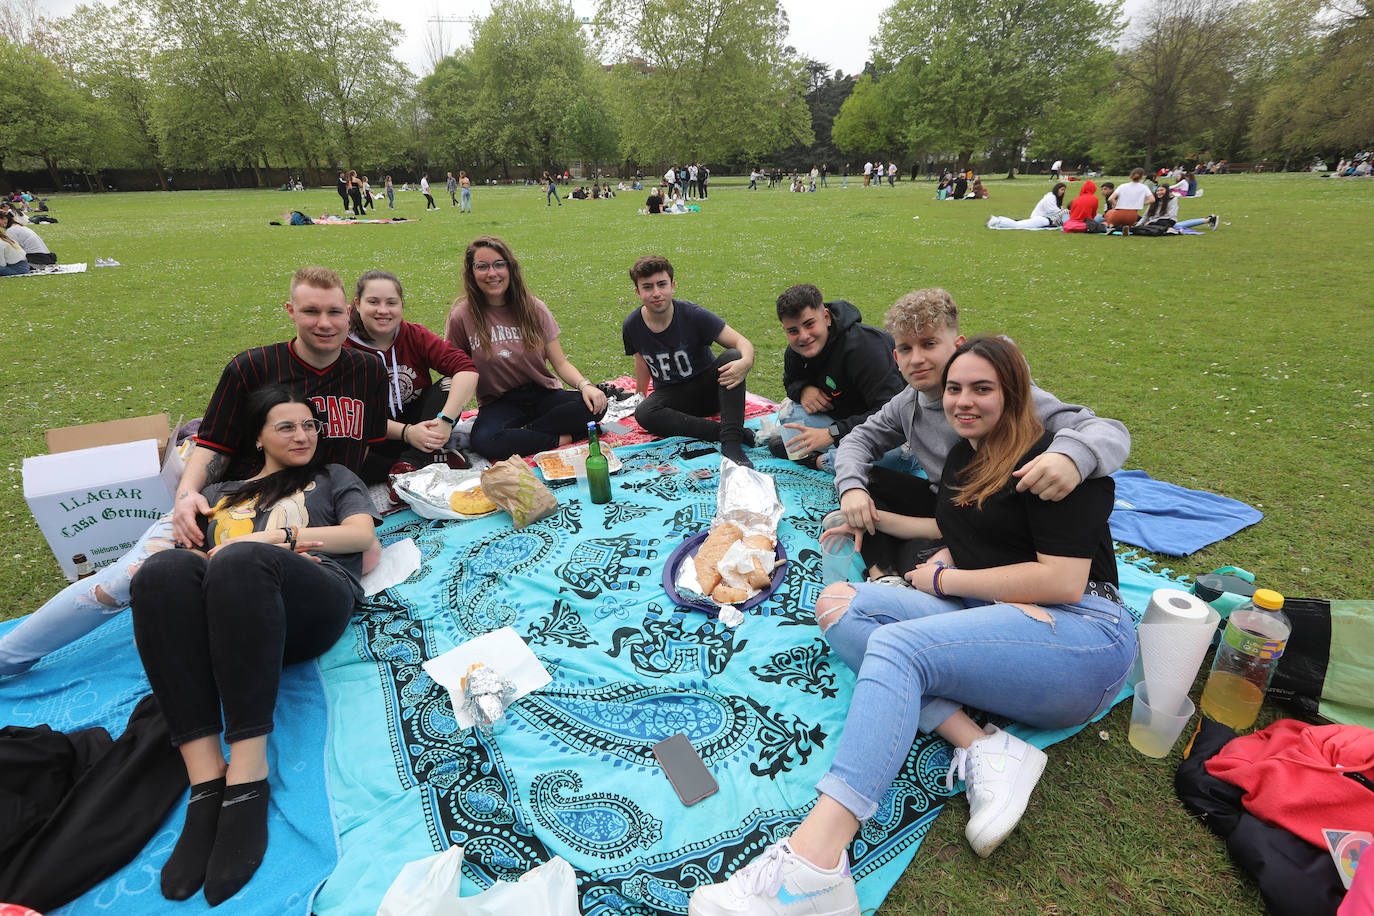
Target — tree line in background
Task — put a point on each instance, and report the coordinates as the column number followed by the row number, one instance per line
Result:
column 310, row 86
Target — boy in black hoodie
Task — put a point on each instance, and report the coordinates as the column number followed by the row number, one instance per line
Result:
column 837, row 372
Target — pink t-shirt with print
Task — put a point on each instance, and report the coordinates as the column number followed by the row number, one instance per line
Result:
column 510, row 363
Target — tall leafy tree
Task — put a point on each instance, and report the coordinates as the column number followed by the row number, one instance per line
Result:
column 969, row 76
column 705, row 79
column 525, row 71
column 1174, row 79
column 47, row 116
column 110, row 51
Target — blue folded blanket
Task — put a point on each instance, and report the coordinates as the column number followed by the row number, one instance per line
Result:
column 1173, row 520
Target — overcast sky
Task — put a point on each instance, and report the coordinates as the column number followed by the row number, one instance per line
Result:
column 841, row 42
column 816, row 32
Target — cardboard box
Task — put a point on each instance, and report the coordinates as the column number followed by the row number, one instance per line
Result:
column 104, row 484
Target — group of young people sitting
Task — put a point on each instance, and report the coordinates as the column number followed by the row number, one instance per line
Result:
column 21, row 249
column 1138, row 207
column 991, row 580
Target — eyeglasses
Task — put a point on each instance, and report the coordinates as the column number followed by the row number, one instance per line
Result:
column 287, row 428
column 482, row 267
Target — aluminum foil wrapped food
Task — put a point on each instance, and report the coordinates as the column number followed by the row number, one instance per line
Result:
column 486, row 694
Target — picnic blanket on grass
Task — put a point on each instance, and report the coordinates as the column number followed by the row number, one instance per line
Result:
column 1174, row 520
column 97, row 681
column 50, row 270
column 570, row 770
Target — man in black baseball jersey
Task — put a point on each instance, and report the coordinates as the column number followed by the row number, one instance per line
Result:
column 347, row 388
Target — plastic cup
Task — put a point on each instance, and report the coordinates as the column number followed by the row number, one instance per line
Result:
column 837, row 556
column 832, row 520
column 1154, row 731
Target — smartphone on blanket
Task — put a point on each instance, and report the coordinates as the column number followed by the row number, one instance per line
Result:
column 689, row 776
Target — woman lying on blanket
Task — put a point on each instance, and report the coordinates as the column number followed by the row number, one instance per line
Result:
column 1019, row 616
column 513, row 338
column 1046, row 213
column 422, row 413
column 278, row 586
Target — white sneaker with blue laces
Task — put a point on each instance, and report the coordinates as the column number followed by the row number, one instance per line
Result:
column 780, row 883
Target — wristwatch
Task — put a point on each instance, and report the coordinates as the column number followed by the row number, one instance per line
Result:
column 834, row 431
column 447, row 419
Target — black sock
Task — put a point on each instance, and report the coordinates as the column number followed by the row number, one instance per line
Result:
column 184, row 872
column 240, row 841
column 749, row 438
column 735, row 453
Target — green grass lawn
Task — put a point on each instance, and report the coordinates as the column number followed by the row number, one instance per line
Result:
column 1240, row 360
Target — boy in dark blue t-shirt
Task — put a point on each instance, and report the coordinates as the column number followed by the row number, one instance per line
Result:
column 670, row 340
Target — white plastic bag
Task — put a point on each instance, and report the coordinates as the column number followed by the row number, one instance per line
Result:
column 427, row 887
column 549, row 890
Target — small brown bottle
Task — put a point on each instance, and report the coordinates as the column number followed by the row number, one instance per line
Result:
column 83, row 566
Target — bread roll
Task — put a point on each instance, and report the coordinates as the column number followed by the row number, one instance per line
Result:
column 724, row 594
column 712, row 549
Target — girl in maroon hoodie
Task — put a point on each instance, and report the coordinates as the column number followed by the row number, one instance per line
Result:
column 422, row 413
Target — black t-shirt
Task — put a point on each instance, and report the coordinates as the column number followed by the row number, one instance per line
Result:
column 681, row 351
column 655, row 203
column 334, row 495
column 350, row 396
column 1013, row 527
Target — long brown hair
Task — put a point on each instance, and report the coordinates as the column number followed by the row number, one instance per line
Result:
column 268, row 491
column 518, row 298
column 1017, row 429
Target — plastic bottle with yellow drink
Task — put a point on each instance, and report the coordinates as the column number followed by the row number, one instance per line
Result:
column 1255, row 637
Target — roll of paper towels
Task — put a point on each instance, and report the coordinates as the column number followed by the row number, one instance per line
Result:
column 1173, row 638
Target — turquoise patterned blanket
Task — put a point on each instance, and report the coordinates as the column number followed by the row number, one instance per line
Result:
column 570, row 771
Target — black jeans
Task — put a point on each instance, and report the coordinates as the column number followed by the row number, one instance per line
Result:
column 680, row 410
column 215, row 633
column 529, row 419
column 904, row 494
column 382, row 455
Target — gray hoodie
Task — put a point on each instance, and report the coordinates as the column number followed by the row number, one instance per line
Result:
column 1097, row 446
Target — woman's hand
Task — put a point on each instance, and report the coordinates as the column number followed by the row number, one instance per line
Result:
column 594, row 398
column 843, row 531
column 428, row 436
column 274, row 537
column 922, row 578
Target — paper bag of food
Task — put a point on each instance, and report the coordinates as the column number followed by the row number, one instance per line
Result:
column 512, row 486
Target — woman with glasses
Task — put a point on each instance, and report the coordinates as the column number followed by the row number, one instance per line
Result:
column 277, row 585
column 513, row 339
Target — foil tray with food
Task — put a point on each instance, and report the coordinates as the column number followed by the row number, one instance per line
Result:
column 441, row 492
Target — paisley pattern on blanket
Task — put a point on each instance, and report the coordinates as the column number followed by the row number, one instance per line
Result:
column 570, row 769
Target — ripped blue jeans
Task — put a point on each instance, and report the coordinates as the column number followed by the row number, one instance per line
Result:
column 920, row 658
column 80, row 607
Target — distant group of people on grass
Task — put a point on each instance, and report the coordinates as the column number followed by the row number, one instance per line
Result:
column 1361, row 165
column 960, row 185
column 690, row 181
column 1140, row 206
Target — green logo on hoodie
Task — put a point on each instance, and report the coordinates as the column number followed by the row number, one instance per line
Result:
column 830, row 383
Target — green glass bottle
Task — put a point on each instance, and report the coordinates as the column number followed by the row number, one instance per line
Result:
column 598, row 469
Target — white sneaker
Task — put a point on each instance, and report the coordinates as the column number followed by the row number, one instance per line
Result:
column 1212, row 221
column 895, row 581
column 780, row 883
column 1000, row 772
